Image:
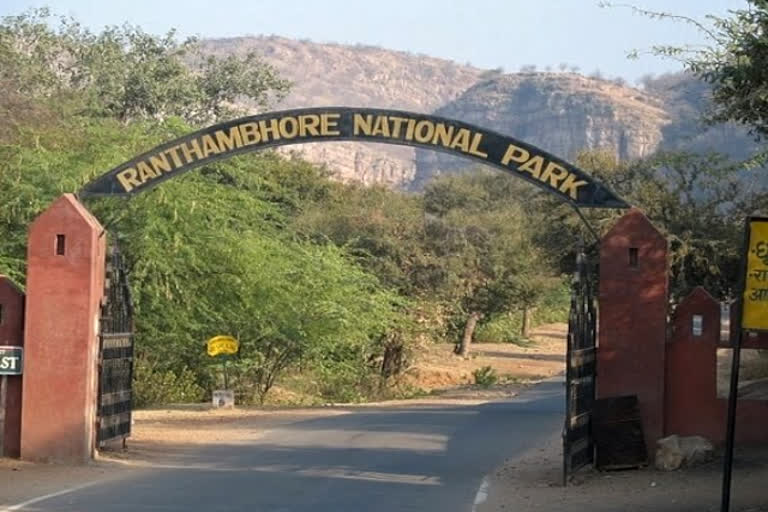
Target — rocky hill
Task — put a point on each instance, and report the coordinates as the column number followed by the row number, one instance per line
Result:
column 562, row 113
column 357, row 76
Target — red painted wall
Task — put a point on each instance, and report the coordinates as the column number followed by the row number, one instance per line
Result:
column 632, row 319
column 12, row 333
column 61, row 326
column 692, row 405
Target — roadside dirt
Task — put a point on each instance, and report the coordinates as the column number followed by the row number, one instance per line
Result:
column 533, row 483
column 435, row 366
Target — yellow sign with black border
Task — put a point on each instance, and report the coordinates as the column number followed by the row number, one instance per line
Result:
column 754, row 315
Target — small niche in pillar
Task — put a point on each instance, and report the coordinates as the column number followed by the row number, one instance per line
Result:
column 61, row 245
column 697, row 325
column 633, row 257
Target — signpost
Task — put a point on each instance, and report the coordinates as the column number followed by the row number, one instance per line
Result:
column 752, row 315
column 11, row 363
column 222, row 345
column 11, row 360
column 226, row 346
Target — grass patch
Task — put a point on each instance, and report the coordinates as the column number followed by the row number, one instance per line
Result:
column 485, row 377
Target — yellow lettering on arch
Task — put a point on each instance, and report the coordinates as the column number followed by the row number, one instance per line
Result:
column 515, row 154
column 554, row 174
column 571, row 187
column 209, row 146
column 461, row 141
column 271, row 130
column 160, row 163
column 533, row 166
column 174, row 152
column 444, row 134
column 424, row 131
column 228, row 142
column 145, row 172
column 250, row 133
column 308, row 125
column 397, row 124
column 381, row 126
column 328, row 123
column 128, row 179
column 475, row 148
column 289, row 127
column 362, row 124
column 191, row 151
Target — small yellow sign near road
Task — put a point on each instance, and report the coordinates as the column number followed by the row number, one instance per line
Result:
column 222, row 345
column 754, row 314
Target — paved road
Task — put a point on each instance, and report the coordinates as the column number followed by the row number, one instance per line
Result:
column 385, row 459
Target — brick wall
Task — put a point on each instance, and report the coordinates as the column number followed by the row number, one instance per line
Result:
column 633, row 318
column 65, row 283
column 692, row 406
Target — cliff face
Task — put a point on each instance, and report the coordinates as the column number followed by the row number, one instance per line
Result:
column 357, row 76
column 562, row 113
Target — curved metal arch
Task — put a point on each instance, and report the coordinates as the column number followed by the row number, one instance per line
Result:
column 253, row 133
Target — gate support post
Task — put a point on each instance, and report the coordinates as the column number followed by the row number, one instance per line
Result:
column 11, row 334
column 65, row 283
column 633, row 319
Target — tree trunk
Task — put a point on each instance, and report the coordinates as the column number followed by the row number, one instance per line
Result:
column 528, row 313
column 526, row 323
column 469, row 332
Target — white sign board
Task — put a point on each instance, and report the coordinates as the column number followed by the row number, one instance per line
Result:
column 223, row 398
column 11, row 360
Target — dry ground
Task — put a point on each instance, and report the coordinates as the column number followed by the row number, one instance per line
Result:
column 532, row 483
column 435, row 367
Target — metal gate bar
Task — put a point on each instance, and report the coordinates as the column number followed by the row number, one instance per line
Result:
column 578, row 443
column 116, row 354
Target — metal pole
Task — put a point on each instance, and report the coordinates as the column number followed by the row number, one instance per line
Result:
column 733, row 396
column 733, row 392
column 586, row 222
column 3, row 393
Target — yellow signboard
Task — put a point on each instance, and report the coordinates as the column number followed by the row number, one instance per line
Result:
column 222, row 345
column 754, row 314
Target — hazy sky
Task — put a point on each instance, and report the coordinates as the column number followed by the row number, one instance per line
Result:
column 485, row 33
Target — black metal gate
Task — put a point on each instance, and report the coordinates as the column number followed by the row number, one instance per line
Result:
column 578, row 443
column 116, row 353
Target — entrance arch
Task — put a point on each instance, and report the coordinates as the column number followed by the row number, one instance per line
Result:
column 80, row 264
column 273, row 129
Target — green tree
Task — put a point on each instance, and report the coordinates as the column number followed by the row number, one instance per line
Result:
column 483, row 240
column 383, row 228
column 734, row 62
column 127, row 74
column 215, row 251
